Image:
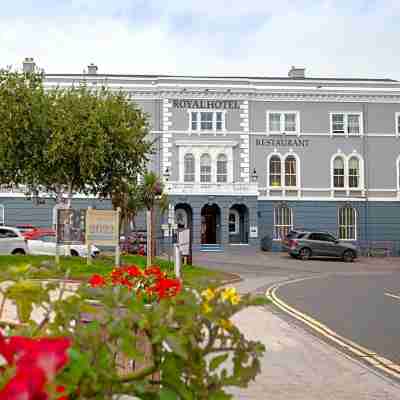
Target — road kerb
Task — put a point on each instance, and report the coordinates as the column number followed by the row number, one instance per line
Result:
column 381, row 363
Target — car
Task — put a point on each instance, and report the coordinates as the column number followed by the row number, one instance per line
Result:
column 321, row 244
column 12, row 241
column 42, row 241
column 293, row 234
column 25, row 228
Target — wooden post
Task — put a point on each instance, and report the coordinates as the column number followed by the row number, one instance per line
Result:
column 117, row 249
column 149, row 236
column 178, row 260
column 88, row 244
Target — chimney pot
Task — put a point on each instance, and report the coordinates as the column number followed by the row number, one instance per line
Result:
column 295, row 72
column 28, row 65
column 92, row 69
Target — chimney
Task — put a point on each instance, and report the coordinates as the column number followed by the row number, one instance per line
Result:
column 92, row 69
column 297, row 72
column 28, row 65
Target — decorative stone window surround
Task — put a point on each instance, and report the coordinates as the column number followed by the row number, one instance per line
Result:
column 214, row 121
column 284, row 188
column 166, row 137
column 282, row 123
column 346, row 160
column 346, row 131
column 214, row 149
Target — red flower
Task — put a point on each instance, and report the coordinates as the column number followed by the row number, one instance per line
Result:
column 167, row 287
column 154, row 270
column 97, row 281
column 61, row 389
column 133, row 270
column 36, row 362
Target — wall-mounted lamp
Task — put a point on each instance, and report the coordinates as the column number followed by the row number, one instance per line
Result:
column 254, row 176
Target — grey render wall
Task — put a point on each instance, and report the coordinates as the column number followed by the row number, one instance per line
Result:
column 314, row 116
column 376, row 221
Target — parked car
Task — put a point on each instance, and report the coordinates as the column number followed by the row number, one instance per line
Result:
column 25, row 227
column 321, row 244
column 293, row 234
column 12, row 241
column 42, row 241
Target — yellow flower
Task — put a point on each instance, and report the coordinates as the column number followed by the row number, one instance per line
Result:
column 228, row 293
column 206, row 308
column 225, row 324
column 208, row 294
column 235, row 299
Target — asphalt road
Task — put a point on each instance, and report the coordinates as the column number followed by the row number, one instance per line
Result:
column 363, row 307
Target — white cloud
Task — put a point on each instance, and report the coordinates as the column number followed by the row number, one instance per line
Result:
column 326, row 39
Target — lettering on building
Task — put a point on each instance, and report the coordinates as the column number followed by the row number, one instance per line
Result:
column 207, row 104
column 283, row 142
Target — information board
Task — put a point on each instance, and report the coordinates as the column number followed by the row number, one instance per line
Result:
column 70, row 226
column 102, row 227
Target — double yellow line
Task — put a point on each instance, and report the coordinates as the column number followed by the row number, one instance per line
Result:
column 381, row 363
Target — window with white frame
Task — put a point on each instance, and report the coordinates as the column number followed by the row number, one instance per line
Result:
column 189, row 168
column 354, row 172
column 346, row 124
column 398, row 173
column 347, row 221
column 275, row 171
column 283, row 122
column 233, row 223
column 338, row 172
column 205, row 168
column 290, row 171
column 207, row 121
column 2, row 222
column 222, row 169
column 283, row 222
column 398, row 123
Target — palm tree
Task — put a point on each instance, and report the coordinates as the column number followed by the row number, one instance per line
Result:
column 152, row 193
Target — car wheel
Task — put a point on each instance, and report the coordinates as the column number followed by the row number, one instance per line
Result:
column 19, row 252
column 74, row 253
column 305, row 253
column 348, row 256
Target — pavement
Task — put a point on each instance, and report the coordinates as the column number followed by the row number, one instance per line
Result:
column 298, row 364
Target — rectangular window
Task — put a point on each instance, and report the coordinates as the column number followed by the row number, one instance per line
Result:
column 337, row 123
column 218, row 121
column 194, row 121
column 347, row 223
column 398, row 124
column 346, row 124
column 283, row 222
column 207, row 121
column 282, row 122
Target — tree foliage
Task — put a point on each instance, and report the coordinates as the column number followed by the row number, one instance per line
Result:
column 69, row 140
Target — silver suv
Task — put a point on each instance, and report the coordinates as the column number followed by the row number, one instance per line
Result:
column 320, row 244
column 12, row 241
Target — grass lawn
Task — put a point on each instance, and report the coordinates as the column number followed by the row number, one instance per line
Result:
column 44, row 267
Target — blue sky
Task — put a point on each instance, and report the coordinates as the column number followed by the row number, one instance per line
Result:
column 257, row 37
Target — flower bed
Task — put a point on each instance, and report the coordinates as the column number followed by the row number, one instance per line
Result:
column 145, row 335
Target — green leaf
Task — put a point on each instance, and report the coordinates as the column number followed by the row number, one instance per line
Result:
column 176, row 345
column 217, row 361
column 168, row 394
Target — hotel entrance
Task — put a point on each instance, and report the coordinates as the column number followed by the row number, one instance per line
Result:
column 210, row 224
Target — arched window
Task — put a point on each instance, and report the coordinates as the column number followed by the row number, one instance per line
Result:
column 189, row 168
column 275, row 171
column 283, row 222
column 338, row 172
column 347, row 221
column 222, row 169
column 354, row 172
column 205, row 168
column 290, row 171
column 233, row 222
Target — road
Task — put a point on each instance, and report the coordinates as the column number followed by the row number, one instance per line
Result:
column 364, row 308
column 360, row 301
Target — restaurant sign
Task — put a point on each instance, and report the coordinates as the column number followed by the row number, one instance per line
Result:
column 283, row 142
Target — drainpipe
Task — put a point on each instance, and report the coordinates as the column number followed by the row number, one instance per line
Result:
column 366, row 171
